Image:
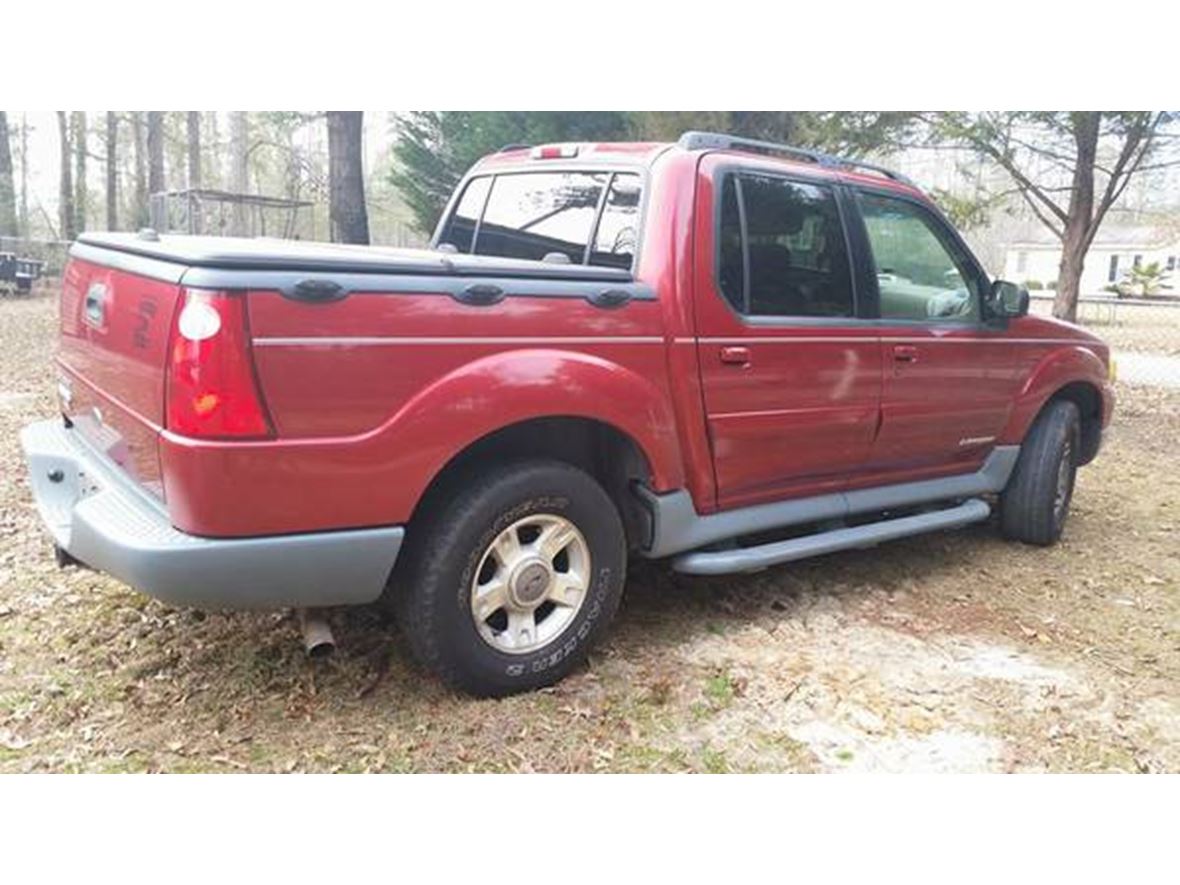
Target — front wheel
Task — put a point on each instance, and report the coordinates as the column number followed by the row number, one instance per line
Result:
column 511, row 581
column 1035, row 503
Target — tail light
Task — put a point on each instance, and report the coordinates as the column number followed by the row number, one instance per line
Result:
column 212, row 389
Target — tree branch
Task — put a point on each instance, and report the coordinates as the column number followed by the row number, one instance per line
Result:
column 1125, row 168
column 1028, row 187
column 1059, row 231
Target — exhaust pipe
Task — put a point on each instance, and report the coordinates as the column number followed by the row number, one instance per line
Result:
column 317, row 635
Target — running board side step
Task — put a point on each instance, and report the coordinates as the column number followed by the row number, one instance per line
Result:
column 744, row 559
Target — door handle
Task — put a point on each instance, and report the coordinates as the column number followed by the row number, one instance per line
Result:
column 905, row 353
column 737, row 356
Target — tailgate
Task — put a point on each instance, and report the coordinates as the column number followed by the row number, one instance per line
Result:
column 114, row 344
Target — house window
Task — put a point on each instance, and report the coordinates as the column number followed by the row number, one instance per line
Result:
column 1137, row 261
column 1021, row 262
column 1171, row 262
column 1113, row 274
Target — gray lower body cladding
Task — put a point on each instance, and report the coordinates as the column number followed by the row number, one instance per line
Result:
column 677, row 528
column 96, row 515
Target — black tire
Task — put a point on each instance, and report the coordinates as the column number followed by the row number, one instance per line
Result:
column 1035, row 503
column 432, row 588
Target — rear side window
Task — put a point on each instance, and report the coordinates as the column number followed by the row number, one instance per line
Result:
column 534, row 215
column 781, row 249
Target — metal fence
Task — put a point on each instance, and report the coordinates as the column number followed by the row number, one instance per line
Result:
column 1144, row 334
column 51, row 252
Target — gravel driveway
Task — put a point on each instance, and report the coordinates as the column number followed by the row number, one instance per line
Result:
column 952, row 652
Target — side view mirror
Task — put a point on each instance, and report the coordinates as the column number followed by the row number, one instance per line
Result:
column 1007, row 300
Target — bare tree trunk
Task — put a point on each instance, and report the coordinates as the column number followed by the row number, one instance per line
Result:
column 212, row 158
column 24, row 176
column 193, row 128
column 65, row 209
column 346, row 178
column 7, row 187
column 239, row 137
column 112, row 171
column 155, row 149
column 193, row 133
column 141, row 184
column 78, row 128
column 1069, row 280
column 1078, row 229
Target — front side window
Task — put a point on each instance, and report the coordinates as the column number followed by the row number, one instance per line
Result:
column 919, row 275
column 535, row 215
column 781, row 249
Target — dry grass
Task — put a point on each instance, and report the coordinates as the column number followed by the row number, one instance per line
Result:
column 950, row 652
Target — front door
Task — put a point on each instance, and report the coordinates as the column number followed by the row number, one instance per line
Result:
column 791, row 379
column 947, row 380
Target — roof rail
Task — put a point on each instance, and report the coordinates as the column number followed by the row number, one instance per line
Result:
column 696, row 141
column 513, row 147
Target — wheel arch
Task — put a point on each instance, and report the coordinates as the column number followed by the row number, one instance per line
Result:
column 1075, row 375
column 614, row 458
column 1088, row 399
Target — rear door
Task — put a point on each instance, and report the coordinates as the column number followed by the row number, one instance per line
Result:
column 947, row 380
column 791, row 378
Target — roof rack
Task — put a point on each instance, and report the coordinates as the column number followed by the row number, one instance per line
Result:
column 696, row 141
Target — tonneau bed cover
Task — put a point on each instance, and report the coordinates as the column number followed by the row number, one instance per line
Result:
column 239, row 253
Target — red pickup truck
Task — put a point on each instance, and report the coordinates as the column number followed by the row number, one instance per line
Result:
column 723, row 353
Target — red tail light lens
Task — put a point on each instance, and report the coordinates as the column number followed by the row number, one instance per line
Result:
column 212, row 390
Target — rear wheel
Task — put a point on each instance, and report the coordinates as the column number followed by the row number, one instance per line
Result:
column 1035, row 503
column 508, row 584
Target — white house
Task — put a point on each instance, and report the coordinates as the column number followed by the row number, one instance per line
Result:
column 1114, row 252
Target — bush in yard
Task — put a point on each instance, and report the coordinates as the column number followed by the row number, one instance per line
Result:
column 1148, row 279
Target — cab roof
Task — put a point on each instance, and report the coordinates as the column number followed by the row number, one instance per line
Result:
column 643, row 154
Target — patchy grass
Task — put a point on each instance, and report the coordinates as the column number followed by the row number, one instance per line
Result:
column 952, row 652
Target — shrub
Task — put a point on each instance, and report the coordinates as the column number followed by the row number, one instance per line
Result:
column 1034, row 285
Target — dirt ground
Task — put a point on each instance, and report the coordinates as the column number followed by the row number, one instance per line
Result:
column 952, row 652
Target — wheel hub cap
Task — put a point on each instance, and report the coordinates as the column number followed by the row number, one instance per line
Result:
column 530, row 584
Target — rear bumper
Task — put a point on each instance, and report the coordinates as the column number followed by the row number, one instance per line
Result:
column 100, row 518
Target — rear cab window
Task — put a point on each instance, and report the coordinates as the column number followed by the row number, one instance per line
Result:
column 588, row 218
